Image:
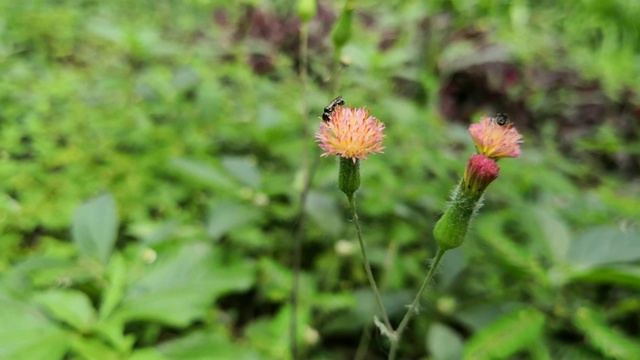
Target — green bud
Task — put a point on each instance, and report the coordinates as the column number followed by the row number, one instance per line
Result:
column 306, row 9
column 452, row 227
column 349, row 176
column 341, row 32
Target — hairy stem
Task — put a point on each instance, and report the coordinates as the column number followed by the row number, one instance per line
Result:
column 367, row 265
column 414, row 305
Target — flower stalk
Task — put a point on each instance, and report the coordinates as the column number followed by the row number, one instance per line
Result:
column 367, row 266
column 413, row 308
column 352, row 134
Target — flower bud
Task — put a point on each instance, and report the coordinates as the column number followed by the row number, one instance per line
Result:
column 341, row 32
column 480, row 172
column 451, row 230
column 306, row 9
column 349, row 176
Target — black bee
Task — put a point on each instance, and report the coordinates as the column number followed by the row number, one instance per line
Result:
column 337, row 102
column 502, row 119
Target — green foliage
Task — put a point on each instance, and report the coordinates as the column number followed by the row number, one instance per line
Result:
column 505, row 336
column 610, row 342
column 151, row 164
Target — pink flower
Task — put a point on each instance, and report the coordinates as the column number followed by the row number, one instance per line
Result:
column 494, row 140
column 480, row 172
column 351, row 133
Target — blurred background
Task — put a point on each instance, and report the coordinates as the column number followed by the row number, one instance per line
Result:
column 151, row 165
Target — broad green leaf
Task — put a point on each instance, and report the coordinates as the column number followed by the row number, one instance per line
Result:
column 275, row 280
column 509, row 252
column 444, row 343
column 112, row 331
column 622, row 275
column 116, row 277
column 604, row 245
column 266, row 333
column 93, row 349
column 202, row 172
column 147, row 354
column 611, row 342
column 70, row 306
column 95, row 228
column 27, row 334
column 181, row 284
column 481, row 316
column 555, row 232
column 226, row 216
column 206, row 345
column 244, row 169
column 324, row 211
column 508, row 335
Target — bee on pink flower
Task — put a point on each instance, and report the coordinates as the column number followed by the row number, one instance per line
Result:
column 496, row 137
column 350, row 133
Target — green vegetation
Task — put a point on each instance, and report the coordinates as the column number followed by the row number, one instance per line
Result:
column 151, row 164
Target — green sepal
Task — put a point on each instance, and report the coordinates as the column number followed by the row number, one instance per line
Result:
column 349, row 176
column 451, row 229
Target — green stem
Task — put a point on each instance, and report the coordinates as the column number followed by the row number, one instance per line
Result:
column 365, row 339
column 414, row 304
column 367, row 265
column 306, row 184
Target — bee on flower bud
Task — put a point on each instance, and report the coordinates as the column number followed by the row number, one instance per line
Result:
column 335, row 103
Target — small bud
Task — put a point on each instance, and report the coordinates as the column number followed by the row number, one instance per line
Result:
column 306, row 9
column 349, row 176
column 480, row 172
column 341, row 32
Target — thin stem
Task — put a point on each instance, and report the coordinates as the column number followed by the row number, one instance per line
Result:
column 335, row 72
column 367, row 265
column 363, row 345
column 414, row 304
column 306, row 184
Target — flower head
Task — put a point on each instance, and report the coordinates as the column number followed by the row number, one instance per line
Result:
column 494, row 140
column 480, row 172
column 351, row 133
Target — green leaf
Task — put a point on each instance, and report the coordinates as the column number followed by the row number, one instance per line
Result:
column 267, row 333
column 622, row 275
column 70, row 306
column 27, row 334
column 604, row 245
column 202, row 172
column 275, row 280
column 116, row 277
column 181, row 284
column 206, row 345
column 490, row 230
column 506, row 336
column 611, row 342
column 555, row 232
column 92, row 349
column 147, row 354
column 95, row 228
column 112, row 331
column 324, row 211
column 226, row 216
column 244, row 169
column 444, row 343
